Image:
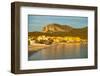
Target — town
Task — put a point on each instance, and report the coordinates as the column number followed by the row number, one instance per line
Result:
column 47, row 40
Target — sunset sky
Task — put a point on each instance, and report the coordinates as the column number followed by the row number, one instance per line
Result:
column 36, row 22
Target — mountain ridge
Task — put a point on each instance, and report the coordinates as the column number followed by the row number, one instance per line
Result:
column 56, row 28
column 62, row 30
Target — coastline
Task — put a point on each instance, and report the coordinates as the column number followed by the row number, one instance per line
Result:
column 37, row 47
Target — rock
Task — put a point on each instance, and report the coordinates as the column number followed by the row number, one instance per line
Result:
column 56, row 28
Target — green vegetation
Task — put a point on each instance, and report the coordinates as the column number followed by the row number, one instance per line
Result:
column 82, row 33
column 61, row 30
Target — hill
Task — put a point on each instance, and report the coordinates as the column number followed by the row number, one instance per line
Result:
column 56, row 28
column 61, row 30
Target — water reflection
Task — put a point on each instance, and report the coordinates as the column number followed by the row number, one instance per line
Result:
column 61, row 51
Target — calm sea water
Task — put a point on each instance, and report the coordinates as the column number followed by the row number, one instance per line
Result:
column 61, row 51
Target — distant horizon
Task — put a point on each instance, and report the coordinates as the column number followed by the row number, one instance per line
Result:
column 37, row 22
column 60, row 24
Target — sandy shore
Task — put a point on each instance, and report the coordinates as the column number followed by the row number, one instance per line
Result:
column 37, row 47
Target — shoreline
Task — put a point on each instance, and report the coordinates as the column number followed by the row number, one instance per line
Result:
column 34, row 48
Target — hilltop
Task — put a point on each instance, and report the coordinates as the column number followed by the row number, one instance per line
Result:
column 61, row 30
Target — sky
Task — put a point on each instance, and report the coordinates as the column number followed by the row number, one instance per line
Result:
column 36, row 22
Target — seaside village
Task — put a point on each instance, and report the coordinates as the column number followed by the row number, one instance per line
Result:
column 47, row 40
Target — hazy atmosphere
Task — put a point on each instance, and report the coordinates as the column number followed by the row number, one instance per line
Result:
column 36, row 22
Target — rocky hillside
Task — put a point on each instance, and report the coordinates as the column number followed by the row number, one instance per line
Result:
column 56, row 28
column 61, row 30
